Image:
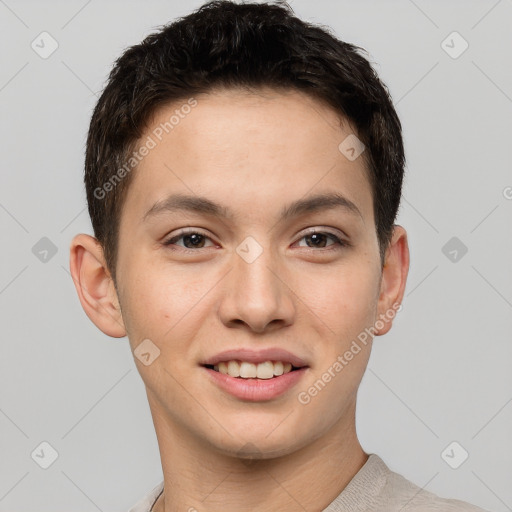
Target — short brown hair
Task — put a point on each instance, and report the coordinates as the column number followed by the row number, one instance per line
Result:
column 228, row 44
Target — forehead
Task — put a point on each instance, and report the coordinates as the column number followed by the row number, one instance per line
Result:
column 261, row 147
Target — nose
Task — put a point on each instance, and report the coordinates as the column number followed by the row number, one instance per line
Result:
column 257, row 294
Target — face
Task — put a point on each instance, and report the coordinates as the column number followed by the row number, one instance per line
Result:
column 227, row 275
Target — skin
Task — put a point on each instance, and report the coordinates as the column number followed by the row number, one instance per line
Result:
column 253, row 152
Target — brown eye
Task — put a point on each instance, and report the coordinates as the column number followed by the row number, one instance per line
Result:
column 191, row 240
column 319, row 239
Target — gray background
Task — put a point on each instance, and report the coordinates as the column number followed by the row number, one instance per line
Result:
column 441, row 375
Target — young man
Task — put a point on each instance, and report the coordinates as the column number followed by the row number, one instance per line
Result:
column 243, row 174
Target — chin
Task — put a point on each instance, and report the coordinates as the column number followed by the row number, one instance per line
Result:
column 258, row 449
column 265, row 440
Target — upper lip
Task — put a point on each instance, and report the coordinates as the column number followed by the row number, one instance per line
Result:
column 256, row 356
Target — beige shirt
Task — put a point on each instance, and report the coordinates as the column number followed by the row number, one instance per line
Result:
column 374, row 488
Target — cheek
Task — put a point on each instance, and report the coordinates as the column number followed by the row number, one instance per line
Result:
column 164, row 301
column 147, row 299
column 345, row 298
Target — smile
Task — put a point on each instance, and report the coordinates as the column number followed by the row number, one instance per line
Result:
column 255, row 388
column 247, row 370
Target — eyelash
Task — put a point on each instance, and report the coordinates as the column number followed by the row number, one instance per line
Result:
column 169, row 242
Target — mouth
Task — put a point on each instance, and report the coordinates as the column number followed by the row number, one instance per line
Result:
column 247, row 370
column 258, row 381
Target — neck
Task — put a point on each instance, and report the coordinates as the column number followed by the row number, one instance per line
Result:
column 198, row 477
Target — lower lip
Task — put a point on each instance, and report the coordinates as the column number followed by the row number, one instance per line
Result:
column 256, row 390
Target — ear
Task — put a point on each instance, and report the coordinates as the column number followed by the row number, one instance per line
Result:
column 394, row 277
column 95, row 286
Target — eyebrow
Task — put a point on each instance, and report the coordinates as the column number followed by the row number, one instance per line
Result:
column 203, row 205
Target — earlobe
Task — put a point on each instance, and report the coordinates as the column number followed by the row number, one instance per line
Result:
column 394, row 278
column 94, row 285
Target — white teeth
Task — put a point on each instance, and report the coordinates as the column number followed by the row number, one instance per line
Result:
column 265, row 370
column 278, row 368
column 246, row 370
column 233, row 369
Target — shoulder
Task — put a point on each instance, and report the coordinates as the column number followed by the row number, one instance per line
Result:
column 145, row 504
column 404, row 495
column 375, row 488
